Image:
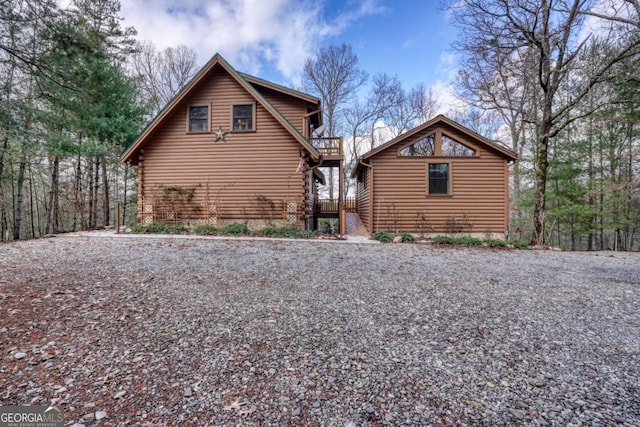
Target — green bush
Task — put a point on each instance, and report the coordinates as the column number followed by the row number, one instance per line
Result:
column 495, row 243
column 156, row 227
column 285, row 232
column 159, row 228
column 234, row 228
column 443, row 240
column 519, row 244
column 407, row 237
column 462, row 240
column 205, row 230
column 267, row 231
column 467, row 241
column 382, row 236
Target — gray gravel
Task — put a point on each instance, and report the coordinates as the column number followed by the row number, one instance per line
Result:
column 148, row 331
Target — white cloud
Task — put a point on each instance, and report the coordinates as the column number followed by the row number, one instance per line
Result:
column 446, row 98
column 603, row 25
column 245, row 32
column 446, row 71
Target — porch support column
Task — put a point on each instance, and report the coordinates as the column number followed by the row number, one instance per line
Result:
column 342, row 214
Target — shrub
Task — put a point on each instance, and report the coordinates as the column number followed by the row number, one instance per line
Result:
column 285, row 232
column 267, row 231
column 407, row 237
column 306, row 234
column 155, row 227
column 519, row 244
column 443, row 240
column 467, row 241
column 205, row 229
column 159, row 228
column 495, row 243
column 234, row 228
column 382, row 236
column 176, row 229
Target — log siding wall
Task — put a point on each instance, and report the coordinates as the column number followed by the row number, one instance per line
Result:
column 479, row 191
column 247, row 166
column 363, row 191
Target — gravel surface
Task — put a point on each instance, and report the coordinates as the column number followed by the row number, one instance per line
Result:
column 171, row 331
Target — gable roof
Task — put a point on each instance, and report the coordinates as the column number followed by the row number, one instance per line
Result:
column 440, row 119
column 218, row 60
column 279, row 88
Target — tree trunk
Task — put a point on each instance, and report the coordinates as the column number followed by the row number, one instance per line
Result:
column 542, row 166
column 124, row 194
column 94, row 195
column 105, row 193
column 31, row 191
column 90, row 194
column 52, row 210
column 17, row 219
column 3, row 217
column 78, row 216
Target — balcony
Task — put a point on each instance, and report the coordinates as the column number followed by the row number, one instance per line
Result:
column 329, row 147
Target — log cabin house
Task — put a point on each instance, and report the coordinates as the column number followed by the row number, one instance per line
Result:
column 231, row 147
column 439, row 177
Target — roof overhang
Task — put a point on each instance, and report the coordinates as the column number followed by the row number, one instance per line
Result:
column 508, row 154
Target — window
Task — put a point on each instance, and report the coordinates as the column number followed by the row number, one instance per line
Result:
column 198, row 119
column 424, row 147
column 451, row 147
column 438, row 178
column 243, row 117
column 362, row 179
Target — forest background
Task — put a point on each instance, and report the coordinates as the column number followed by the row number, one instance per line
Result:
column 536, row 76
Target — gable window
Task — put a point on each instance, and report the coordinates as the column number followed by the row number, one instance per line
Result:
column 452, row 148
column 438, row 178
column 425, row 147
column 198, row 118
column 243, row 117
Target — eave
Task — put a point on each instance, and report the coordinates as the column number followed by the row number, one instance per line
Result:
column 503, row 151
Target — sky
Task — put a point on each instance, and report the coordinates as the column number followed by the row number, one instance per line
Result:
column 271, row 38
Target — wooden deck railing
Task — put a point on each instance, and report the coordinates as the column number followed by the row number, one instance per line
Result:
column 332, row 206
column 326, row 206
column 350, row 204
column 329, row 146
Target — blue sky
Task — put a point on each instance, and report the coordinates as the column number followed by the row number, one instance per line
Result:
column 271, row 38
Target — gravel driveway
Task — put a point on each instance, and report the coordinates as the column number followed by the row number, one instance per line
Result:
column 167, row 331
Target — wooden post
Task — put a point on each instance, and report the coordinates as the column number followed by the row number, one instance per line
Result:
column 341, row 212
column 117, row 218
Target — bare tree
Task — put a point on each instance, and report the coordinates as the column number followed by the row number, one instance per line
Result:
column 371, row 122
column 410, row 109
column 162, row 74
column 552, row 31
column 361, row 117
column 335, row 76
